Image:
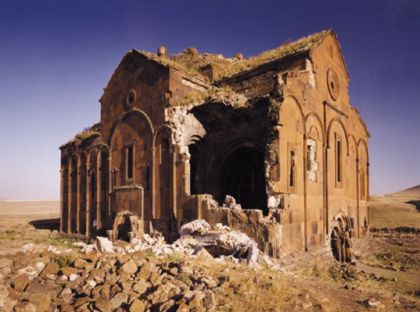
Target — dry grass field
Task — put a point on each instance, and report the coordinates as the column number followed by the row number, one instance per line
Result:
column 397, row 209
column 385, row 278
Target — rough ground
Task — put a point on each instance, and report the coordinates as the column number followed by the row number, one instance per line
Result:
column 387, row 276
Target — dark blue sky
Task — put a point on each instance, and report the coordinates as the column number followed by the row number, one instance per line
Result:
column 57, row 56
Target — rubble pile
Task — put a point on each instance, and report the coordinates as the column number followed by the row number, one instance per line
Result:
column 196, row 237
column 141, row 275
column 42, row 280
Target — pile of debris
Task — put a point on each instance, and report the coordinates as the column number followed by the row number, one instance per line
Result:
column 54, row 280
column 142, row 275
column 196, row 238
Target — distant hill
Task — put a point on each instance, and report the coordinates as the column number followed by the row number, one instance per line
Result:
column 412, row 191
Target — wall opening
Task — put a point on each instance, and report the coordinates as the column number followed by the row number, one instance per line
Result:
column 129, row 161
column 123, row 228
column 338, row 161
column 242, row 176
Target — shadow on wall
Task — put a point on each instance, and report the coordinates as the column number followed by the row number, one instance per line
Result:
column 415, row 203
column 46, row 224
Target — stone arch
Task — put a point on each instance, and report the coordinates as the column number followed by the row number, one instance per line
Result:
column 92, row 213
column 239, row 172
column 352, row 169
column 336, row 138
column 126, row 115
column 73, row 193
column 287, row 111
column 125, row 226
column 133, row 128
column 194, row 149
column 162, row 170
column 292, row 148
column 313, row 121
column 363, row 170
column 330, row 128
column 314, row 147
column 83, row 192
column 362, row 144
column 131, row 163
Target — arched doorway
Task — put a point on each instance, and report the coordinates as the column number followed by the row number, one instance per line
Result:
column 242, row 176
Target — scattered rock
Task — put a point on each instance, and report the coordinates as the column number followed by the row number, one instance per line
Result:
column 73, row 277
column 129, row 267
column 137, row 306
column 373, row 303
column 50, row 268
column 103, row 244
column 19, row 282
column 41, row 301
column 103, row 305
column 27, row 247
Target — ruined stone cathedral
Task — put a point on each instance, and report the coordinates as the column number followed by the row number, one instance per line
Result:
column 269, row 145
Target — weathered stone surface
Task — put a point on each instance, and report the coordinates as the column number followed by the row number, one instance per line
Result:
column 41, row 301
column 68, row 271
column 137, row 306
column 245, row 133
column 118, row 300
column 147, row 270
column 51, row 268
column 103, row 305
column 19, row 282
column 129, row 267
column 140, row 287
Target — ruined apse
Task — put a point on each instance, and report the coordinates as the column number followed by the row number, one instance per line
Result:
column 269, row 145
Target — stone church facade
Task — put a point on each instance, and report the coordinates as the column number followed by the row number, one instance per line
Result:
column 185, row 136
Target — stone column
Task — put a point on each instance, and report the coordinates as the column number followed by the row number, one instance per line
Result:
column 305, row 214
column 88, row 197
column 98, row 191
column 153, row 182
column 78, row 195
column 357, row 197
column 61, row 198
column 69, row 201
column 109, row 190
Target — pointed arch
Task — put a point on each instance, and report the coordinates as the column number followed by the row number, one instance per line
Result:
column 341, row 124
column 132, row 111
column 312, row 119
column 162, row 173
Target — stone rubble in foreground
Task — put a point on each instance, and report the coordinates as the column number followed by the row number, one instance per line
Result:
column 124, row 276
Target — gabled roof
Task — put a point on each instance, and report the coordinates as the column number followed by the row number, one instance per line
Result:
column 192, row 62
column 195, row 64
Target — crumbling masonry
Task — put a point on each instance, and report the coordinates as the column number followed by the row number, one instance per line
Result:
column 268, row 145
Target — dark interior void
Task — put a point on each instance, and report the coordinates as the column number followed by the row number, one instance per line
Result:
column 123, row 228
column 242, row 176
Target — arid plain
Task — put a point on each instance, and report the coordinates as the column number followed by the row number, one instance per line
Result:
column 386, row 276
